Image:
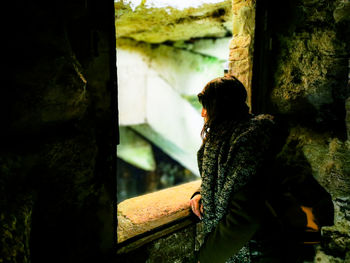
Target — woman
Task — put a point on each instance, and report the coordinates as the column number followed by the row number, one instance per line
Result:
column 236, row 147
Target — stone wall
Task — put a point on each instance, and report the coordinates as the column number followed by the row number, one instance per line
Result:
column 308, row 62
column 242, row 43
column 58, row 132
column 177, row 247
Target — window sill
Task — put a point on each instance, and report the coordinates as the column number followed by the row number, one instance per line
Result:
column 148, row 213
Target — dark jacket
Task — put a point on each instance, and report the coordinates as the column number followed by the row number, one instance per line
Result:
column 231, row 163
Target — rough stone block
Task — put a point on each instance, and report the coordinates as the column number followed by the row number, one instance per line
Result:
column 239, row 54
column 177, row 247
column 336, row 239
column 237, row 5
column 240, row 41
column 322, row 257
column 240, row 67
column 244, row 18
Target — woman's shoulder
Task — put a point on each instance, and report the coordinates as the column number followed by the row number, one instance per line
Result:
column 233, row 129
column 262, row 122
column 255, row 126
column 257, row 122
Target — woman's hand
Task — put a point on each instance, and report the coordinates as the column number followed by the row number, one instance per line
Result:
column 197, row 206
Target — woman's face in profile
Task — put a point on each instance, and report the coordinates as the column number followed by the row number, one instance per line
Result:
column 204, row 114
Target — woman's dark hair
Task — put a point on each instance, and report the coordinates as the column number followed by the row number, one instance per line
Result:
column 224, row 98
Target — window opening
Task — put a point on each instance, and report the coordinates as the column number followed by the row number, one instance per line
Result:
column 166, row 52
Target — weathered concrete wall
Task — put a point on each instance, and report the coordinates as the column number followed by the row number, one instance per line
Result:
column 309, row 61
column 58, row 132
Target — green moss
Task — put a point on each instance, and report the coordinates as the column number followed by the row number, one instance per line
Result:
column 328, row 157
column 135, row 150
column 157, row 25
column 310, row 75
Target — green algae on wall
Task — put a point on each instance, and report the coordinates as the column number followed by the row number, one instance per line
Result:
column 328, row 157
column 135, row 150
column 311, row 63
column 157, row 25
column 311, row 70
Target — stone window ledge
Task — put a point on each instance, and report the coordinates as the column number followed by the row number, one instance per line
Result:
column 147, row 217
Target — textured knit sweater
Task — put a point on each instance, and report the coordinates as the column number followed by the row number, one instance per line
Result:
column 230, row 163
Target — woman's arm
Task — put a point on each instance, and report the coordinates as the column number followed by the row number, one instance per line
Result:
column 234, row 230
